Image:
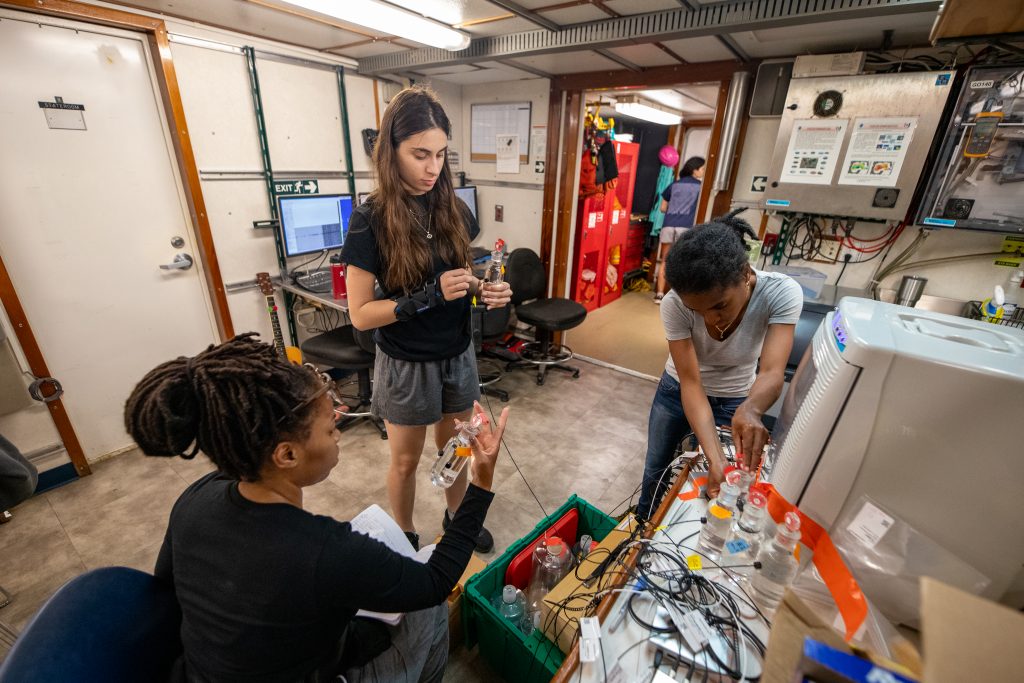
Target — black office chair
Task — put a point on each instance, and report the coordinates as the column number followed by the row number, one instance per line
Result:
column 525, row 274
column 492, row 326
column 347, row 348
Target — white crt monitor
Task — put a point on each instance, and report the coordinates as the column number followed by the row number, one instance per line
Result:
column 920, row 411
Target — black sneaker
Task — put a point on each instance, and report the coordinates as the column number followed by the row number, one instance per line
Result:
column 484, row 540
column 414, row 538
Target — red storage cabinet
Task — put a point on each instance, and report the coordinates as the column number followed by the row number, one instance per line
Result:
column 591, row 229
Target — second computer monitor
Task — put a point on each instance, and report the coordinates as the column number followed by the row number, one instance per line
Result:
column 468, row 195
column 314, row 222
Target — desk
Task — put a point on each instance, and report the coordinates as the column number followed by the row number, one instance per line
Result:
column 322, row 299
column 629, row 645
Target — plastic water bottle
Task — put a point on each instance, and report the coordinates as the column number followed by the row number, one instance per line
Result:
column 778, row 565
column 744, row 481
column 744, row 541
column 511, row 606
column 721, row 512
column 453, row 457
column 551, row 562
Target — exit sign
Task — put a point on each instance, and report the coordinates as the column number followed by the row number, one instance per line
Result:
column 304, row 186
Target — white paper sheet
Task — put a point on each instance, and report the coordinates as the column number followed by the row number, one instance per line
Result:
column 813, row 151
column 507, row 146
column 877, row 149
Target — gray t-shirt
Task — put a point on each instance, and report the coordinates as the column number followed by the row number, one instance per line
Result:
column 727, row 368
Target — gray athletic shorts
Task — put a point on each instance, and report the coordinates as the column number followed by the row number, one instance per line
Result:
column 669, row 235
column 419, row 392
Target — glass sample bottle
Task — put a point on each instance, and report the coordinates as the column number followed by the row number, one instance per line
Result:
column 495, row 271
column 744, row 541
column 721, row 512
column 452, row 459
column 778, row 564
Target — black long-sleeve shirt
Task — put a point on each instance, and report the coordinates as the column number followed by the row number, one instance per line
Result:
column 266, row 590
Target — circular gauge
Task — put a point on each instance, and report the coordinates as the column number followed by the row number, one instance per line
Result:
column 828, row 103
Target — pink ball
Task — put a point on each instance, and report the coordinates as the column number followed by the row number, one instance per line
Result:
column 668, row 155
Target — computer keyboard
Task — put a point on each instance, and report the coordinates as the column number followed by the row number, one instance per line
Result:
column 316, row 281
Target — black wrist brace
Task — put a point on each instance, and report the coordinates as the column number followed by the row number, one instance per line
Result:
column 418, row 301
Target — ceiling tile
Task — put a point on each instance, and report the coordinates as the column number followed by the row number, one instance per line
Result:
column 642, row 6
column 575, row 15
column 380, row 47
column 485, row 76
column 502, row 26
column 449, row 69
column 645, row 55
column 702, row 49
column 570, row 62
column 836, row 36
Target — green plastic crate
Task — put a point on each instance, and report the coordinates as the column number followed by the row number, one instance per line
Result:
column 519, row 658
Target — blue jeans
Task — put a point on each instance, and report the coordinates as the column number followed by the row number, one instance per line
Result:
column 666, row 427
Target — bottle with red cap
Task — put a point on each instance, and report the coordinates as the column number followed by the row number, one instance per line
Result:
column 495, row 273
column 744, row 541
column 778, row 563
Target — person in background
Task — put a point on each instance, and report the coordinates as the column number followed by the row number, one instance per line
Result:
column 679, row 204
column 412, row 238
column 269, row 592
column 721, row 317
column 18, row 477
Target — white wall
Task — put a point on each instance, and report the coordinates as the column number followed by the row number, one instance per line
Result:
column 523, row 207
column 966, row 280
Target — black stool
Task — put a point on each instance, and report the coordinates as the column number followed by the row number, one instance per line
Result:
column 347, row 348
column 525, row 274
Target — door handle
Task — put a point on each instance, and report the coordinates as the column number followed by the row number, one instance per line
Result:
column 180, row 262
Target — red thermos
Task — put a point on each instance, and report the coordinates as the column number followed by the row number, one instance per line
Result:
column 338, row 281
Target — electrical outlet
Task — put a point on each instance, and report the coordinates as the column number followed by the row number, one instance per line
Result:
column 830, row 249
column 499, row 213
column 769, row 242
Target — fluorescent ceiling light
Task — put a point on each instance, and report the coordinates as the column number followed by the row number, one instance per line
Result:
column 388, row 19
column 630, row 105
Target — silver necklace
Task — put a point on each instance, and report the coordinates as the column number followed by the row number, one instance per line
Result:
column 426, row 230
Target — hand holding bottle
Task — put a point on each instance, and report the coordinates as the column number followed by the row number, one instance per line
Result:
column 486, row 446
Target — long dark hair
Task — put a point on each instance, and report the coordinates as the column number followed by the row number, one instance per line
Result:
column 234, row 402
column 692, row 164
column 406, row 255
column 710, row 256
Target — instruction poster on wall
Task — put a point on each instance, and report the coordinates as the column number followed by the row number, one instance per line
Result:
column 813, row 151
column 877, row 149
column 507, row 147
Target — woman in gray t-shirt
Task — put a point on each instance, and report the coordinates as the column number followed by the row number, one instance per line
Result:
column 720, row 317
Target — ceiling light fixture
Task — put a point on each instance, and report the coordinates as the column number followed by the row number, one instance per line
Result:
column 631, row 105
column 388, row 19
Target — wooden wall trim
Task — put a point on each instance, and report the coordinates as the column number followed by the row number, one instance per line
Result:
column 567, row 192
column 551, row 176
column 713, row 150
column 704, row 72
column 175, row 113
column 37, row 365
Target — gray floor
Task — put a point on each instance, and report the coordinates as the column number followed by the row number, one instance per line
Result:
column 584, row 436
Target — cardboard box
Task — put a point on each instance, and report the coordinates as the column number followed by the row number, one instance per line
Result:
column 571, row 599
column 455, row 633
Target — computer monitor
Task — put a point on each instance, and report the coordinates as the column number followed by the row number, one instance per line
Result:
column 314, row 222
column 468, row 195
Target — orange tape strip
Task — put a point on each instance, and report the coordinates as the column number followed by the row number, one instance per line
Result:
column 695, row 491
column 838, row 579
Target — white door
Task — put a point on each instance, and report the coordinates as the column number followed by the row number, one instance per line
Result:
column 88, row 216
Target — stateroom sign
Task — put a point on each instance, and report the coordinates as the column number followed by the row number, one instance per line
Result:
column 63, row 115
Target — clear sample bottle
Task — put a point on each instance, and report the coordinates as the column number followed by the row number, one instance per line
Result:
column 721, row 512
column 494, row 275
column 744, row 541
column 512, row 605
column 452, row 459
column 778, row 564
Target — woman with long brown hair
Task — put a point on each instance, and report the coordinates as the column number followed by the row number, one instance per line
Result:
column 411, row 237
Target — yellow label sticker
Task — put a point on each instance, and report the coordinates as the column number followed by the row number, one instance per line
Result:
column 719, row 511
column 694, row 563
column 463, row 451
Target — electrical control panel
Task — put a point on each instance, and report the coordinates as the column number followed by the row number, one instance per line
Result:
column 855, row 146
column 977, row 181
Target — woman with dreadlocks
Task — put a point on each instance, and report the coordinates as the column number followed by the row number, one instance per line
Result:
column 720, row 317
column 268, row 591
